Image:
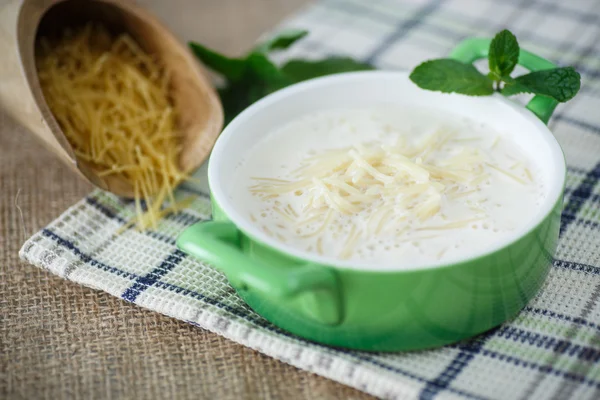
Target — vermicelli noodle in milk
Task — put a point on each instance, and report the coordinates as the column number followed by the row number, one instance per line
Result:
column 388, row 187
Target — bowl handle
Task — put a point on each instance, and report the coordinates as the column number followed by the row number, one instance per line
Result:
column 470, row 50
column 219, row 244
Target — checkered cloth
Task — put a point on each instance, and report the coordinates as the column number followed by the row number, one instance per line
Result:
column 551, row 350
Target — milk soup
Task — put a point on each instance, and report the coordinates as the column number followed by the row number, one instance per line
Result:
column 389, row 187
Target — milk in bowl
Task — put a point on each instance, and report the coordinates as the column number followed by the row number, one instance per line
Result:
column 393, row 187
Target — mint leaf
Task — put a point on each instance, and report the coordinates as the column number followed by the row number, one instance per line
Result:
column 561, row 84
column 282, row 41
column 238, row 96
column 508, row 80
column 262, row 69
column 300, row 70
column 234, row 68
column 230, row 68
column 254, row 76
column 447, row 75
column 261, row 77
column 504, row 54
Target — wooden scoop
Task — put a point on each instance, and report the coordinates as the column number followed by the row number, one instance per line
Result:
column 200, row 115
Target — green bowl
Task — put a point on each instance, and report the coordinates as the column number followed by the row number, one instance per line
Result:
column 363, row 306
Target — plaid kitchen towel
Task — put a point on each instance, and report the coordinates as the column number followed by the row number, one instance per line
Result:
column 551, row 350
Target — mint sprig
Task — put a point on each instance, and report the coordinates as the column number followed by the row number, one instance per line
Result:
column 253, row 76
column 448, row 75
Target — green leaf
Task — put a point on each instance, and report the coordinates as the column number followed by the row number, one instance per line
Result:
column 251, row 78
column 261, row 78
column 301, row 70
column 446, row 75
column 230, row 68
column 234, row 100
column 503, row 54
column 561, row 84
column 508, row 80
column 282, row 41
column 262, row 69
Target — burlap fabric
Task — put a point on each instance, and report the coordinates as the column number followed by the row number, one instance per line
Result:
column 549, row 351
column 61, row 340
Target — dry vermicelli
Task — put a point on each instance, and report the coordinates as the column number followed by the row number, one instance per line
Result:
column 112, row 101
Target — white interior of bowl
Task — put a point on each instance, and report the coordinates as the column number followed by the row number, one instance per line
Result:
column 370, row 89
